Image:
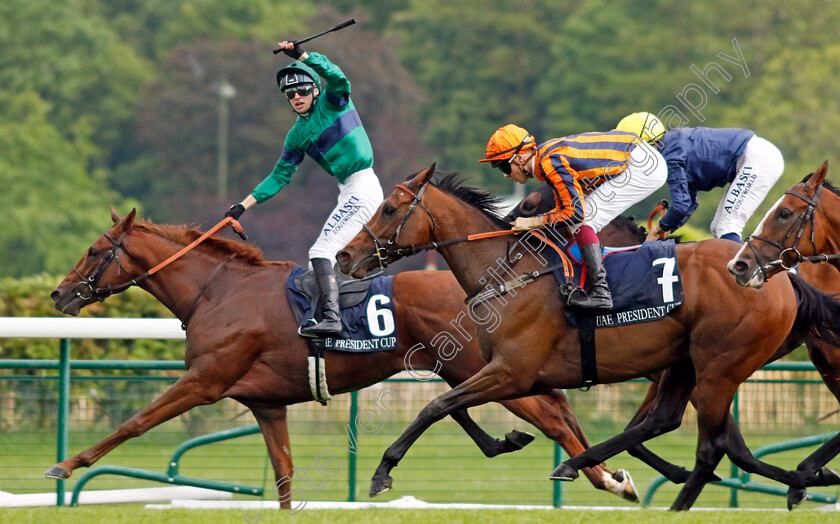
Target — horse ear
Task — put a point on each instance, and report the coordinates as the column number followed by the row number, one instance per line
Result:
column 819, row 175
column 423, row 177
column 126, row 222
column 129, row 219
column 114, row 216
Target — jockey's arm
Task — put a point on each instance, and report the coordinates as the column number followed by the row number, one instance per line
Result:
column 249, row 202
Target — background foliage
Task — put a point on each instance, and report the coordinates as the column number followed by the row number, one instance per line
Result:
column 117, row 102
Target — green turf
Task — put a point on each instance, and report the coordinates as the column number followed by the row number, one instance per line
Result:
column 132, row 513
column 442, row 466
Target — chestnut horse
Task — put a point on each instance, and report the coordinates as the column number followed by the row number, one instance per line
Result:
column 718, row 337
column 242, row 342
column 826, row 358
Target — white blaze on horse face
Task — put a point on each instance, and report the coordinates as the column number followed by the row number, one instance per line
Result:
column 757, row 278
column 758, row 229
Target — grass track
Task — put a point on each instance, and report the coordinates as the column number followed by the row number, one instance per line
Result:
column 135, row 513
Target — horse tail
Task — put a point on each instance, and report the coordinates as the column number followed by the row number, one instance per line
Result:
column 818, row 313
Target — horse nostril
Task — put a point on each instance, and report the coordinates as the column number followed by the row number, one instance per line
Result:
column 737, row 268
column 55, row 294
column 342, row 257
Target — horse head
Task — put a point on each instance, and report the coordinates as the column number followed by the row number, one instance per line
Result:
column 540, row 201
column 392, row 231
column 97, row 275
column 788, row 232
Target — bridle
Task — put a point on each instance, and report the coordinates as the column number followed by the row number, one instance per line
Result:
column 387, row 250
column 87, row 288
column 787, row 253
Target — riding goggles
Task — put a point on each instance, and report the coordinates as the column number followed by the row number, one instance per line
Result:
column 502, row 165
column 302, row 91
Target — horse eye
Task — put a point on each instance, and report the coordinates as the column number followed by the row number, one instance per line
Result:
column 528, row 207
column 389, row 210
column 92, row 252
column 785, row 214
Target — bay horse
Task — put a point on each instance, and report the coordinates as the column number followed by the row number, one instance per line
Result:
column 826, row 358
column 242, row 342
column 802, row 226
column 713, row 342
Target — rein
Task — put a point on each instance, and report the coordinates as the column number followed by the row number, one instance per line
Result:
column 808, row 216
column 661, row 208
column 386, row 251
column 389, row 249
column 86, row 289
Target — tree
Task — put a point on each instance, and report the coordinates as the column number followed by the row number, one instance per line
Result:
column 478, row 76
column 54, row 208
column 67, row 54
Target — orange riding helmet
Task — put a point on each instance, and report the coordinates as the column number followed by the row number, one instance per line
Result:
column 506, row 142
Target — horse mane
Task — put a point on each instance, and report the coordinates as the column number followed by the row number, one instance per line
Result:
column 828, row 185
column 216, row 246
column 628, row 223
column 482, row 199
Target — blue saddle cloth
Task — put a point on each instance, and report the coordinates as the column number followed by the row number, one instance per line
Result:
column 644, row 280
column 367, row 326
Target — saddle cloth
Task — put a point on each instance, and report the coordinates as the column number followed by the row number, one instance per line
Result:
column 644, row 280
column 367, row 310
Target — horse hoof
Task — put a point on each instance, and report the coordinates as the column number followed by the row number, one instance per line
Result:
column 518, row 439
column 795, row 496
column 380, row 485
column 564, row 472
column 829, row 476
column 57, row 472
column 628, row 488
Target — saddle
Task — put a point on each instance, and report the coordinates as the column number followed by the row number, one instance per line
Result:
column 645, row 284
column 358, row 301
column 351, row 292
column 644, row 281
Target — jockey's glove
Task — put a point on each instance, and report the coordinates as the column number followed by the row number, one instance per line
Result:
column 235, row 211
column 296, row 52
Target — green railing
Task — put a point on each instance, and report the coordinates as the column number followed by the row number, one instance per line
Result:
column 740, row 480
column 64, row 365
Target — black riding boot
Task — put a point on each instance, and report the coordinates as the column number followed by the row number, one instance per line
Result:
column 328, row 303
column 599, row 297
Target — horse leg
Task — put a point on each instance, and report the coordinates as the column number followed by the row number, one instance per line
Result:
column 827, row 361
column 495, row 381
column 272, row 421
column 491, row 447
column 674, row 473
column 671, row 400
column 188, row 392
column 553, row 415
column 718, row 434
column 811, row 471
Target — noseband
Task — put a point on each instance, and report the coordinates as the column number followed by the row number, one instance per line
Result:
column 807, row 217
column 86, row 289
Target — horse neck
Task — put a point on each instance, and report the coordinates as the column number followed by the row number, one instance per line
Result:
column 178, row 284
column 616, row 235
column 468, row 261
column 829, row 213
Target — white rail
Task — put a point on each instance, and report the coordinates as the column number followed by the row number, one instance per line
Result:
column 48, row 327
